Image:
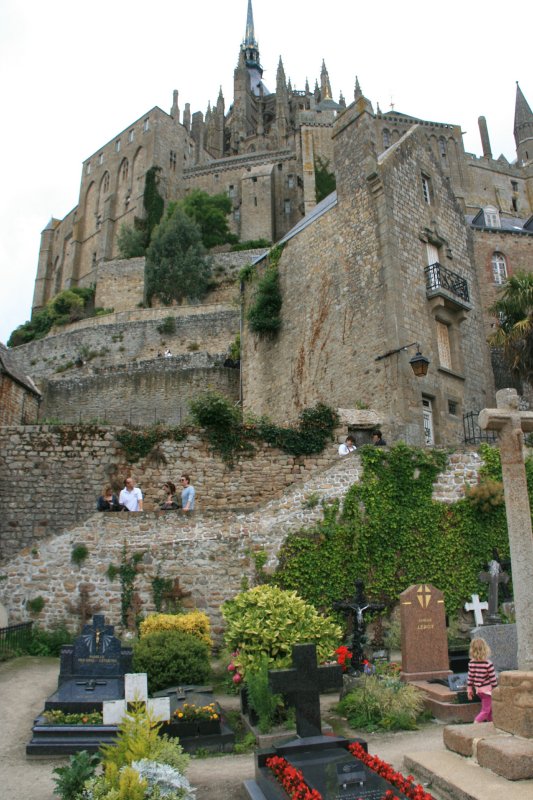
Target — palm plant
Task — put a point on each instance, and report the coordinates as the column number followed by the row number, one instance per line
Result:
column 514, row 334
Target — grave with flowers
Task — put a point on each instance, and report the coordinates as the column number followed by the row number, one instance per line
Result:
column 196, row 719
column 317, row 767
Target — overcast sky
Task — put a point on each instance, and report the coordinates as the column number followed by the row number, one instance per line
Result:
column 75, row 73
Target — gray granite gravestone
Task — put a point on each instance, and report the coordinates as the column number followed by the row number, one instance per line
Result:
column 502, row 642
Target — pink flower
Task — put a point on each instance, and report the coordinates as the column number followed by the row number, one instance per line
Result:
column 231, row 667
column 237, row 678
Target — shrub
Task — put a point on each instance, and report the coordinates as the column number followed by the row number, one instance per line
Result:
column 170, row 658
column 264, row 703
column 79, row 554
column 167, row 326
column 71, row 779
column 48, row 643
column 382, row 704
column 36, row 604
column 195, row 623
column 266, row 622
column 264, row 313
column 488, row 494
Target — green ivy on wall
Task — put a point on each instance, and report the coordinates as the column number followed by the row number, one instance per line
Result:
column 392, row 534
column 264, row 313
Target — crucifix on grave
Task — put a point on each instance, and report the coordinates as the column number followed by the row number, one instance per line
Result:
column 355, row 607
column 135, row 692
column 477, row 606
column 511, row 424
column 493, row 576
column 305, row 681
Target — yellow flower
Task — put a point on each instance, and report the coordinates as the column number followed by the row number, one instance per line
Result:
column 180, row 714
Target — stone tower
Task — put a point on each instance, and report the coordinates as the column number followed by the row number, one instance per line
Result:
column 523, row 127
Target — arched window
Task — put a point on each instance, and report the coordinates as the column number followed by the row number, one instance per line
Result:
column 105, row 183
column 499, row 268
column 124, row 171
column 442, row 147
column 386, row 138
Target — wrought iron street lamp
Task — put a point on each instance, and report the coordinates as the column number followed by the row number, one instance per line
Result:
column 419, row 363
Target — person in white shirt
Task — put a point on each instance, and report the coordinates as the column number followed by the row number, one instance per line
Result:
column 348, row 446
column 131, row 496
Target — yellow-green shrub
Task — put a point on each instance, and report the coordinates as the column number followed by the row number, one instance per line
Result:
column 195, row 622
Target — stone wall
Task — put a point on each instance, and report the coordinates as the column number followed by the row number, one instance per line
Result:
column 51, row 476
column 140, row 393
column 116, row 340
column 18, row 406
column 210, row 553
column 362, row 263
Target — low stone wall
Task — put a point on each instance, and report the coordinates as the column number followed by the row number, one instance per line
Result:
column 140, row 393
column 116, row 340
column 209, row 552
column 51, row 476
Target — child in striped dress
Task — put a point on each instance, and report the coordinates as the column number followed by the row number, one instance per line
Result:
column 481, row 678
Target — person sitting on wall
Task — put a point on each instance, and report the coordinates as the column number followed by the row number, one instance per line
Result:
column 188, row 493
column 108, row 500
column 348, row 446
column 131, row 497
column 378, row 440
column 170, row 502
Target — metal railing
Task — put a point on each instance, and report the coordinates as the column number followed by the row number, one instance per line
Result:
column 473, row 433
column 439, row 277
column 15, row 636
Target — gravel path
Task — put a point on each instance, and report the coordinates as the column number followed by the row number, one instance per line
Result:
column 26, row 682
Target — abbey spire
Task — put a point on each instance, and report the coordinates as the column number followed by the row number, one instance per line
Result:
column 250, row 51
column 523, row 127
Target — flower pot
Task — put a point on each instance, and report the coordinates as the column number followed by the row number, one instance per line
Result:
column 182, row 729
column 208, row 727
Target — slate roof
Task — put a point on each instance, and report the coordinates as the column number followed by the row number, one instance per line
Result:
column 7, row 366
column 507, row 224
column 316, row 212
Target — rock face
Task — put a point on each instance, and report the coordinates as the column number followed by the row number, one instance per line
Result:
column 512, row 703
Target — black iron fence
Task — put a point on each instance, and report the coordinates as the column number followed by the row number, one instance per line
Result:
column 439, row 277
column 473, row 433
column 15, row 636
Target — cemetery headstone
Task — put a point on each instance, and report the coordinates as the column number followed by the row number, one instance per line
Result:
column 304, row 682
column 355, row 608
column 477, row 606
column 494, row 576
column 424, row 638
column 136, row 691
column 91, row 669
column 502, row 642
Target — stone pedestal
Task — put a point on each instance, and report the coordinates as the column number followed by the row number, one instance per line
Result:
column 512, row 703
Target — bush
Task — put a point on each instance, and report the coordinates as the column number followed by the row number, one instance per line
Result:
column 167, row 326
column 71, row 779
column 195, row 622
column 36, row 604
column 48, row 643
column 266, row 622
column 79, row 554
column 264, row 313
column 382, row 704
column 170, row 658
column 264, row 703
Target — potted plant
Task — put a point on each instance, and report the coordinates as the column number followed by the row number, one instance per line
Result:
column 191, row 720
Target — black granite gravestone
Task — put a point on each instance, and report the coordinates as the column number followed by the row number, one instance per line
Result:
column 304, row 682
column 91, row 670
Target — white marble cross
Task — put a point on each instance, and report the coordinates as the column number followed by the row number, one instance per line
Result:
column 477, row 606
column 136, row 691
column 511, row 424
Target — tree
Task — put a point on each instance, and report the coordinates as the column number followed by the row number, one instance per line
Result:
column 514, row 334
column 325, row 181
column 176, row 263
column 131, row 241
column 210, row 212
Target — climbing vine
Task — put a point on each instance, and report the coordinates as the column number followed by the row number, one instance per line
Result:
column 139, row 442
column 264, row 313
column 393, row 534
column 127, row 572
column 229, row 436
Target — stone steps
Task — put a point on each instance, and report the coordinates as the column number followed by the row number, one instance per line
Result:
column 449, row 776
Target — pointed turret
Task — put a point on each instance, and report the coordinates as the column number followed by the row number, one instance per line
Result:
column 250, row 49
column 282, row 102
column 523, row 127
column 175, row 111
column 325, row 85
column 357, row 93
column 362, row 103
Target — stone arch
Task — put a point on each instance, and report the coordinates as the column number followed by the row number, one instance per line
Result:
column 123, row 186
column 89, row 211
column 138, row 170
column 58, row 275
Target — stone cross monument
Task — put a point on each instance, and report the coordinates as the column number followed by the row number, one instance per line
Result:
column 511, row 424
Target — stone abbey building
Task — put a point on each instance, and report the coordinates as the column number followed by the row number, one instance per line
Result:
column 411, row 248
